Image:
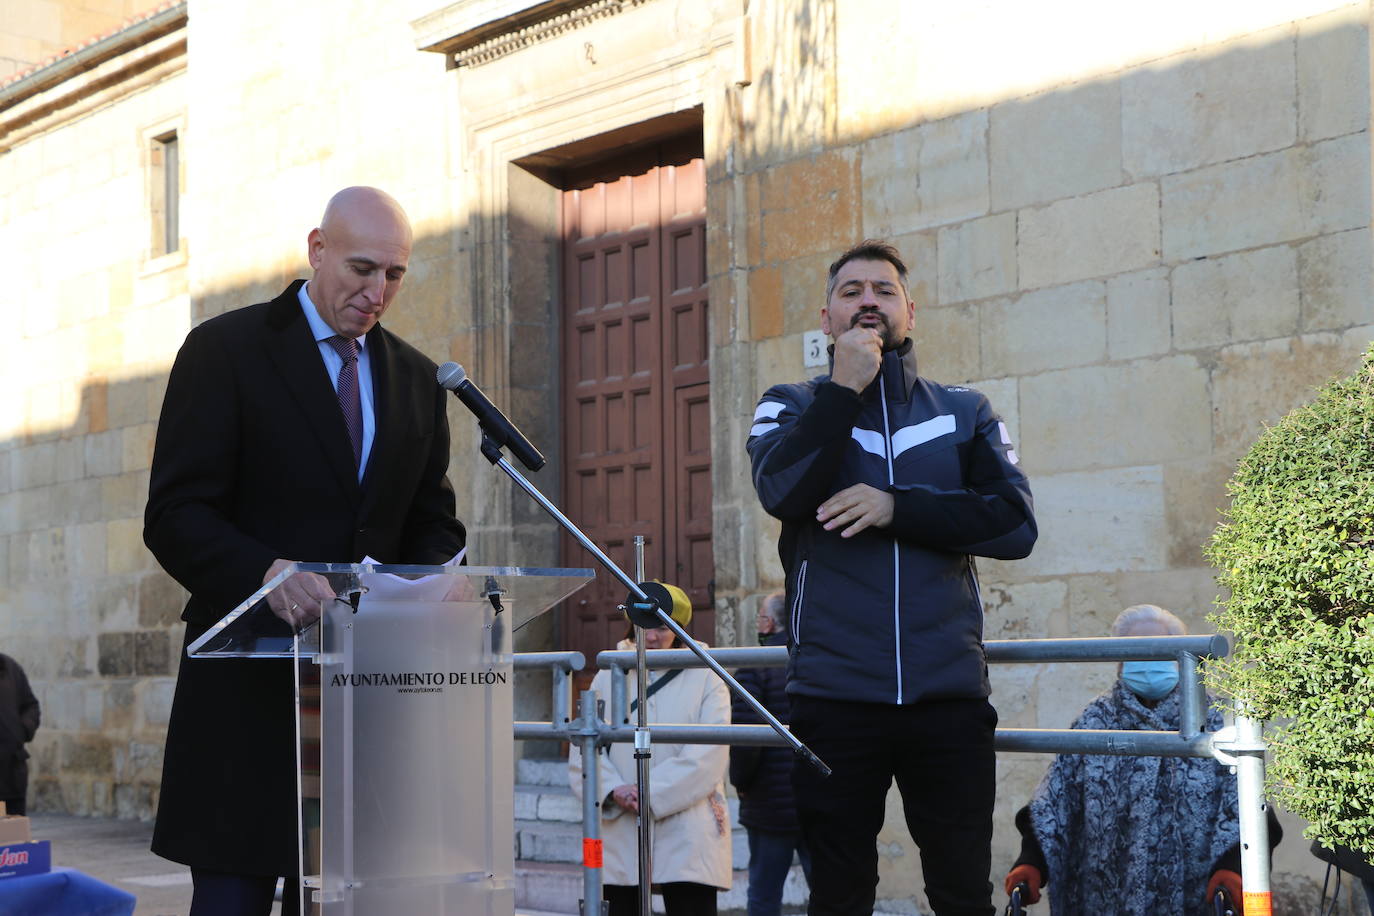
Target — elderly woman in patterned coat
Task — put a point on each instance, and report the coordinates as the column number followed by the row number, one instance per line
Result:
column 1111, row 834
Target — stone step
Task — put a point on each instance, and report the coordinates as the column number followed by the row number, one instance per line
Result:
column 548, row 825
column 556, row 841
column 543, row 796
column 557, row 888
column 541, row 771
column 547, row 803
column 545, row 822
column 548, row 841
column 551, row 887
column 547, row 780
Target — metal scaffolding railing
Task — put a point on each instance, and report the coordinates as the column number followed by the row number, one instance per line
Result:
column 1239, row 746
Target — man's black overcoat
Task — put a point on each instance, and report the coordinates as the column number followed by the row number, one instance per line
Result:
column 252, row 463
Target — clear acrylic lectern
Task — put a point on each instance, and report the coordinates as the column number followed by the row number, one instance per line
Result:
column 404, row 726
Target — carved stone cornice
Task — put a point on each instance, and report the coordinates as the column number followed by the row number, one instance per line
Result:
column 483, row 42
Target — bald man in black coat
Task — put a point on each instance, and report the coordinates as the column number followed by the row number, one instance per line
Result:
column 255, row 466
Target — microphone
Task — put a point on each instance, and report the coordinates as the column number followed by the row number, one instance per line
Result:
column 493, row 422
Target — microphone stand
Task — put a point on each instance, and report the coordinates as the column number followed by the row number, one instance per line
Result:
column 639, row 612
column 491, row 450
column 643, row 754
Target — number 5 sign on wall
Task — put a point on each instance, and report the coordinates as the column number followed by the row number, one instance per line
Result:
column 813, row 349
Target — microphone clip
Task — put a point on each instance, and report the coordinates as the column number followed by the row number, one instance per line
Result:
column 491, row 449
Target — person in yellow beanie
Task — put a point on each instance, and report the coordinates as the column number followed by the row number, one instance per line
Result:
column 691, row 823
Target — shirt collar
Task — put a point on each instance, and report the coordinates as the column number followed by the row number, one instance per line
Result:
column 318, row 326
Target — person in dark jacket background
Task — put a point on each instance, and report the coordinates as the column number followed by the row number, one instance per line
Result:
column 19, row 717
column 887, row 486
column 761, row 775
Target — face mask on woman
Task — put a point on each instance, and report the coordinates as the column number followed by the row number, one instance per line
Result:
column 1150, row 680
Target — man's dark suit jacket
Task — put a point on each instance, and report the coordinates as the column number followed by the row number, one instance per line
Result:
column 252, row 463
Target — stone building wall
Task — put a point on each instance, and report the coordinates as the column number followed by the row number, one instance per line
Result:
column 1141, row 235
column 95, row 313
column 1141, row 246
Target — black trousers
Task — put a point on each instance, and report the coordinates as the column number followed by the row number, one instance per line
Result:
column 16, row 805
column 940, row 752
column 221, row 894
column 680, row 898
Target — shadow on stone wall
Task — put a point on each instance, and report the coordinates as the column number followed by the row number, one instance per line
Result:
column 1135, row 320
column 94, row 620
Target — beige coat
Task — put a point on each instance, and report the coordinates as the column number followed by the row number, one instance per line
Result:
column 686, row 790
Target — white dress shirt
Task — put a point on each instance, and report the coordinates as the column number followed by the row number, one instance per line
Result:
column 334, row 362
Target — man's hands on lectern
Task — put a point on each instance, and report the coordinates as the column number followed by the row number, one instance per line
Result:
column 462, row 588
column 297, row 600
column 858, row 354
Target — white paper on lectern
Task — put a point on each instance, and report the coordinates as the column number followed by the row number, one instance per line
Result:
column 389, row 587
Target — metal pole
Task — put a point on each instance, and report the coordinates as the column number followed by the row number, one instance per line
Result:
column 619, row 706
column 1102, row 741
column 561, row 701
column 797, row 747
column 1254, row 825
column 1091, row 649
column 643, row 755
column 1104, row 648
column 592, row 904
column 493, row 454
column 558, row 664
column 1192, row 715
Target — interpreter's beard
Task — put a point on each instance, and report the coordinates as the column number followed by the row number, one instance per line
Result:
column 890, row 339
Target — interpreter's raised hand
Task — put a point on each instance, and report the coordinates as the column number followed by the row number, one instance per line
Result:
column 859, row 507
column 627, row 797
column 297, row 600
column 858, row 354
column 1028, row 875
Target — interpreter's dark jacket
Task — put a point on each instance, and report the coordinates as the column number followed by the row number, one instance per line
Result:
column 253, row 463
column 19, row 717
column 891, row 615
column 763, row 775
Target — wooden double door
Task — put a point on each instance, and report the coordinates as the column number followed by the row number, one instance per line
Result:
column 636, row 398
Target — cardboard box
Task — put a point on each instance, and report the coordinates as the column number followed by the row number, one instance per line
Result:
column 18, row 859
column 14, row 829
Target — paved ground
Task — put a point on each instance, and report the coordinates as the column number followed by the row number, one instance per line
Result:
column 117, row 852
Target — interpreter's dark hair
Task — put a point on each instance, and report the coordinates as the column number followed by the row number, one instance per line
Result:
column 867, row 250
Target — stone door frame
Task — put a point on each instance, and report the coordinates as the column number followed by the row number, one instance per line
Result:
column 512, row 241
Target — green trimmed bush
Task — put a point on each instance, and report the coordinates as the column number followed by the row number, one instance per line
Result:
column 1296, row 552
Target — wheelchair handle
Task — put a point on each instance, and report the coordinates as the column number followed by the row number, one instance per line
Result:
column 1015, row 907
column 1222, row 903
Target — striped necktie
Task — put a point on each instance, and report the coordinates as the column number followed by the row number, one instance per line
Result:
column 349, row 401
